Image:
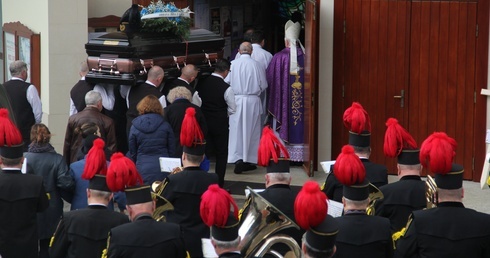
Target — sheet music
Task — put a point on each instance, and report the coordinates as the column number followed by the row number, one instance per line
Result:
column 335, row 209
column 168, row 164
column 326, row 165
column 208, row 249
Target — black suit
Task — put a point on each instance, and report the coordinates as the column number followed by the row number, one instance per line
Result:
column 176, row 83
column 84, row 232
column 21, row 197
column 174, row 115
column 361, row 235
column 184, row 191
column 400, row 199
column 146, row 237
column 376, row 174
column 78, row 92
column 450, row 230
column 215, row 109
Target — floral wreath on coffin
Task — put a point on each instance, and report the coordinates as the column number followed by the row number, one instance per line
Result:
column 161, row 18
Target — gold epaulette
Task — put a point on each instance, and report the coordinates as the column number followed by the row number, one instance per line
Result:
column 104, row 253
column 401, row 233
column 240, row 212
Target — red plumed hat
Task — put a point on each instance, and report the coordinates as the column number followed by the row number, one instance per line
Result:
column 438, row 151
column 270, row 150
column 9, row 133
column 348, row 168
column 215, row 206
column 356, row 119
column 310, row 206
column 215, row 213
column 397, row 139
column 122, row 173
column 191, row 135
column 95, row 162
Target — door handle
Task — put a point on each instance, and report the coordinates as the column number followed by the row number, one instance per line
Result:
column 401, row 97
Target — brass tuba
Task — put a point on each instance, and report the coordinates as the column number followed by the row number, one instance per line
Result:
column 261, row 221
column 374, row 195
column 431, row 192
column 161, row 203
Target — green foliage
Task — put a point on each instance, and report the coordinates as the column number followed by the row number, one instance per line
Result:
column 166, row 27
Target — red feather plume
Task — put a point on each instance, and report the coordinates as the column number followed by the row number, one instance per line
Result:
column 310, row 206
column 356, row 119
column 397, row 139
column 191, row 131
column 215, row 206
column 438, row 151
column 348, row 168
column 9, row 133
column 95, row 162
column 122, row 173
column 270, row 147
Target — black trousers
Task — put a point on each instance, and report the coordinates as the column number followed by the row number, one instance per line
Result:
column 217, row 144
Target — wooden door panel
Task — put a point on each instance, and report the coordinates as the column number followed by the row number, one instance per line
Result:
column 442, row 74
column 311, row 84
column 375, row 68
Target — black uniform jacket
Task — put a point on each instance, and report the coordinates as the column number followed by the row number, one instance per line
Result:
column 282, row 197
column 361, row 235
column 21, row 197
column 376, row 174
column 400, row 199
column 184, row 191
column 450, row 230
column 231, row 255
column 146, row 237
column 83, row 233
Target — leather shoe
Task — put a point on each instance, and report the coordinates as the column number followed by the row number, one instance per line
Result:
column 249, row 166
column 239, row 165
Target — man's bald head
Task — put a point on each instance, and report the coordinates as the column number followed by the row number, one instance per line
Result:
column 189, row 72
column 246, row 48
column 155, row 75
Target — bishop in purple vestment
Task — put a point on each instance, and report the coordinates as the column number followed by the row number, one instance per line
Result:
column 285, row 77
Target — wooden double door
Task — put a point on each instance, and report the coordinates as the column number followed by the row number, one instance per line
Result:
column 421, row 62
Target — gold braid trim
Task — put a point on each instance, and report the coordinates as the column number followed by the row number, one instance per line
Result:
column 245, row 206
column 401, row 233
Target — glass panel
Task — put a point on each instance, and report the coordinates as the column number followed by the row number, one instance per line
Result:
column 25, row 54
column 9, row 53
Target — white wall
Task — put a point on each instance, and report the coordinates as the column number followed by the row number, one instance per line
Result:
column 98, row 8
column 325, row 81
column 63, row 28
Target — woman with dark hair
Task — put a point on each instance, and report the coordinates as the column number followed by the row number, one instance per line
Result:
column 43, row 160
column 150, row 138
column 89, row 131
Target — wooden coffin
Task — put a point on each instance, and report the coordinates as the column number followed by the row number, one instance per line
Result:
column 119, row 59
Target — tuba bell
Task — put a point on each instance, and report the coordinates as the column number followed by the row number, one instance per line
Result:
column 431, row 192
column 261, row 221
column 374, row 195
column 161, row 204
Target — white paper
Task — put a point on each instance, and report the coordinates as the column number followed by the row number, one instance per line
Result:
column 208, row 249
column 247, row 191
column 335, row 208
column 326, row 165
column 484, row 172
column 168, row 164
column 23, row 170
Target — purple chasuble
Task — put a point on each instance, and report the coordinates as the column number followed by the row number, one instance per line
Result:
column 286, row 100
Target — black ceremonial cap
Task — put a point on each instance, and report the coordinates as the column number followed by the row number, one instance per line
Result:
column 138, row 194
column 227, row 233
column 452, row 180
column 98, row 182
column 322, row 237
